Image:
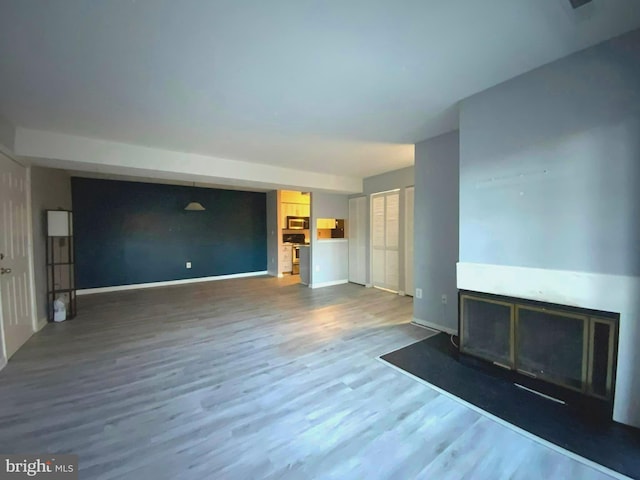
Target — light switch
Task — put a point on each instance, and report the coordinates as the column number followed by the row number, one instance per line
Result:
column 188, row 264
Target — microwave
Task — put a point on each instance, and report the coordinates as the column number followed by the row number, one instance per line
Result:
column 298, row 223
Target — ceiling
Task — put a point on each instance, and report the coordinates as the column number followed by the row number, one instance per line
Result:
column 343, row 87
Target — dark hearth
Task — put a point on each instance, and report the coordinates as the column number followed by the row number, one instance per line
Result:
column 437, row 362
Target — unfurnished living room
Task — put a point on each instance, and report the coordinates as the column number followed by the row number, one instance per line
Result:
column 297, row 239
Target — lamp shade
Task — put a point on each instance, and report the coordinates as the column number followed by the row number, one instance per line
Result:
column 194, row 207
column 59, row 223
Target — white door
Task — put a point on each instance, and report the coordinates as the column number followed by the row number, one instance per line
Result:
column 358, row 240
column 15, row 298
column 408, row 240
column 385, row 236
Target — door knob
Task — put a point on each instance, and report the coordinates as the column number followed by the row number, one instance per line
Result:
column 4, row 270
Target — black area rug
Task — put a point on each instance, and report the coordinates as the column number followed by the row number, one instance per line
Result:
column 434, row 360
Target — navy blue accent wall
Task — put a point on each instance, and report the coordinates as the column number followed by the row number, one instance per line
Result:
column 130, row 232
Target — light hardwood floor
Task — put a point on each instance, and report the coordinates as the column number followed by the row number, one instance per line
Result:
column 250, row 378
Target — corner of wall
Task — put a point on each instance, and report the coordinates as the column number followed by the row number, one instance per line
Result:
column 7, row 136
column 436, row 231
column 41, row 324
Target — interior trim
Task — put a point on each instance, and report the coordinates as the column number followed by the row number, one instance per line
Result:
column 434, row 326
column 328, row 284
column 136, row 286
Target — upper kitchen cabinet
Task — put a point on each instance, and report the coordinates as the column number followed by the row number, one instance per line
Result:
column 294, row 204
column 295, row 210
column 289, row 196
column 330, row 228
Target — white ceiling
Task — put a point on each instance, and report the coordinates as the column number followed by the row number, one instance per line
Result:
column 344, row 87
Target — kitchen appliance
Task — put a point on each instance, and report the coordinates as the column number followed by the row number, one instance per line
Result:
column 293, row 238
column 297, row 223
column 295, row 270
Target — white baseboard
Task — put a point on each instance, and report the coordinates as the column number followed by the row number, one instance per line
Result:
column 434, row 326
column 328, row 284
column 136, row 286
column 3, row 362
column 41, row 324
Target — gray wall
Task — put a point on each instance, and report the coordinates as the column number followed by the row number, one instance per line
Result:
column 329, row 258
column 272, row 233
column 388, row 181
column 436, row 231
column 50, row 190
column 7, row 134
column 401, row 178
column 550, row 165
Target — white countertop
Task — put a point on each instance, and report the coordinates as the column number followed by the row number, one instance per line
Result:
column 332, row 240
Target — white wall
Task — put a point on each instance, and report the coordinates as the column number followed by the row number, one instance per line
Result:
column 329, row 258
column 50, row 190
column 72, row 152
column 436, row 232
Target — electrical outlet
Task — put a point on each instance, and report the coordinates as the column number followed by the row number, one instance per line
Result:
column 444, row 299
column 188, row 265
column 418, row 293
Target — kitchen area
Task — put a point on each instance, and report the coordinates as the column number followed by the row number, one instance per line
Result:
column 293, row 223
column 295, row 234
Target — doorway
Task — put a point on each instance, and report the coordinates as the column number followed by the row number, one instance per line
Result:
column 15, row 279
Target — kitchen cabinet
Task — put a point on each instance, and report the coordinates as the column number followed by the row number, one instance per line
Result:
column 290, row 196
column 293, row 210
column 326, row 223
column 293, row 204
column 286, row 259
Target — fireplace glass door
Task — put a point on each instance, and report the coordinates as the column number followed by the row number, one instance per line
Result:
column 552, row 345
column 565, row 346
column 490, row 334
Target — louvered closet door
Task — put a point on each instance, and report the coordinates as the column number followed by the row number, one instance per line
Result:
column 408, row 240
column 357, row 240
column 385, row 222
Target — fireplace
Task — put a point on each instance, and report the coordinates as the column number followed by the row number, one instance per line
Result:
column 564, row 352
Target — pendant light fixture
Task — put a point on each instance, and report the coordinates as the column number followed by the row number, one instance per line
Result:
column 194, row 206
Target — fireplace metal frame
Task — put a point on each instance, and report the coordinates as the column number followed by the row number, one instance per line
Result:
column 612, row 355
column 512, row 327
column 585, row 345
column 589, row 317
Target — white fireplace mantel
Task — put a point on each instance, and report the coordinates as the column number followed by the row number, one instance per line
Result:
column 611, row 293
